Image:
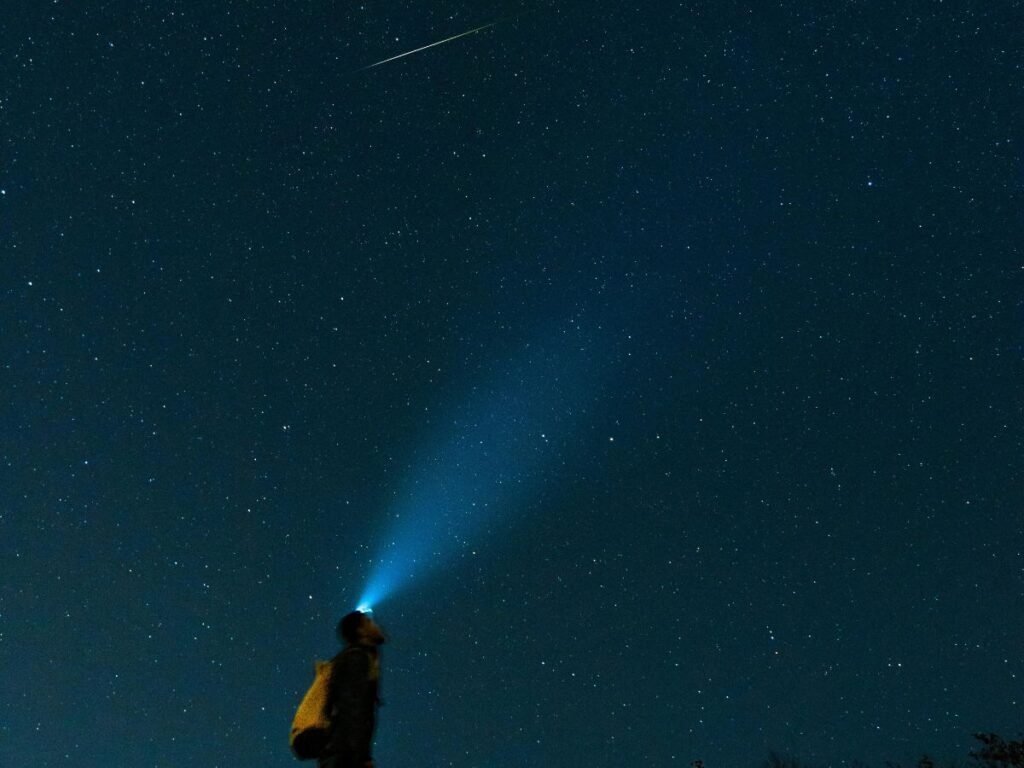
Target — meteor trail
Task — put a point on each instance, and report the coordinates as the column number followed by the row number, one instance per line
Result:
column 423, row 48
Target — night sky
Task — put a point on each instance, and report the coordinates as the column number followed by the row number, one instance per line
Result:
column 654, row 369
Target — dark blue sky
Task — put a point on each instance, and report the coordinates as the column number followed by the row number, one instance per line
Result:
column 670, row 352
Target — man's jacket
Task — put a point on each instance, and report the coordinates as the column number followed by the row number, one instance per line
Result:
column 352, row 702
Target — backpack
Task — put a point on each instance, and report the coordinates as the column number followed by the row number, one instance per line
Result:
column 311, row 726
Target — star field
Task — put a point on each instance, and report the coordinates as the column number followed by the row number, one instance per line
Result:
column 658, row 365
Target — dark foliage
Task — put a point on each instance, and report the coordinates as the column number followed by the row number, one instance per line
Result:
column 998, row 753
column 923, row 762
column 776, row 761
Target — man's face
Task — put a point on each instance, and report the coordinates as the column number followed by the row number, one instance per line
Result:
column 370, row 632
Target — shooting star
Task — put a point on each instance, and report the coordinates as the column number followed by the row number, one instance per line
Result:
column 423, row 48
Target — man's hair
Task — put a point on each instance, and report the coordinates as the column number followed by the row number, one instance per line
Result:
column 348, row 627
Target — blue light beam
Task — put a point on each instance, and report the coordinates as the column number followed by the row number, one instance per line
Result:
column 491, row 457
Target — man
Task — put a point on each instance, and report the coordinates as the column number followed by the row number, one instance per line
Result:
column 352, row 694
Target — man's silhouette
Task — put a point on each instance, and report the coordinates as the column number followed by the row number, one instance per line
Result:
column 352, row 694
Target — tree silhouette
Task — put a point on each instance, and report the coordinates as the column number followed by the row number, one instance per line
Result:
column 923, row 762
column 998, row 753
column 776, row 761
column 995, row 753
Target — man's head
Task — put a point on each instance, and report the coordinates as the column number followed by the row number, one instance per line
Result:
column 356, row 628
